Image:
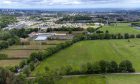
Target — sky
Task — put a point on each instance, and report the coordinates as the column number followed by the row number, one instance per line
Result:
column 69, row 4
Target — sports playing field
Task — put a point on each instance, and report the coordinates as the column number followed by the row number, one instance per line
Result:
column 92, row 51
column 121, row 28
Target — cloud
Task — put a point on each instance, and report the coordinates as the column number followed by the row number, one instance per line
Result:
column 68, row 3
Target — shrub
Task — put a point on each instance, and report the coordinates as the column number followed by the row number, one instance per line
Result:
column 126, row 66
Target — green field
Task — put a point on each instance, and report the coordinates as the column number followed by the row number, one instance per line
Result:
column 108, row 79
column 121, row 28
column 30, row 47
column 82, row 80
column 17, row 53
column 123, row 79
column 92, row 51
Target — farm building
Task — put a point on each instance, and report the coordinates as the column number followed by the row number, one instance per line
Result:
column 46, row 36
column 62, row 37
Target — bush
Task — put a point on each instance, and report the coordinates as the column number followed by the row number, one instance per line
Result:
column 114, row 67
column 3, row 45
column 104, row 66
column 138, row 36
column 22, row 63
column 126, row 66
column 27, row 70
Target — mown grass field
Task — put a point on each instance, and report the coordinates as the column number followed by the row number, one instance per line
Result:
column 123, row 79
column 93, row 51
column 121, row 28
column 106, row 79
column 82, row 80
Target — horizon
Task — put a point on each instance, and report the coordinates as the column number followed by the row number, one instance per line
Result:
column 69, row 8
column 68, row 4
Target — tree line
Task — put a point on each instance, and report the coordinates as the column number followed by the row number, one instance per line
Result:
column 65, row 29
column 75, row 18
column 8, row 77
column 101, row 67
column 135, row 24
column 106, row 35
column 50, row 77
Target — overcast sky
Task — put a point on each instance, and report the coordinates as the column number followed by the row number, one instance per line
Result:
column 69, row 3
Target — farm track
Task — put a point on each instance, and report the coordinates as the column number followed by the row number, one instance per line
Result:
column 68, row 76
column 83, row 75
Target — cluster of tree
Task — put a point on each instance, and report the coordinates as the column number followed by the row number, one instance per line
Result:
column 5, row 20
column 4, row 35
column 7, row 39
column 7, row 77
column 91, row 30
column 8, row 42
column 65, row 29
column 137, row 24
column 23, row 33
column 74, row 18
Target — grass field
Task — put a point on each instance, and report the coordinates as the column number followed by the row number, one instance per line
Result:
column 30, row 47
column 24, row 51
column 123, row 79
column 121, row 28
column 17, row 53
column 82, row 80
column 5, row 63
column 92, row 51
column 108, row 79
column 51, row 42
